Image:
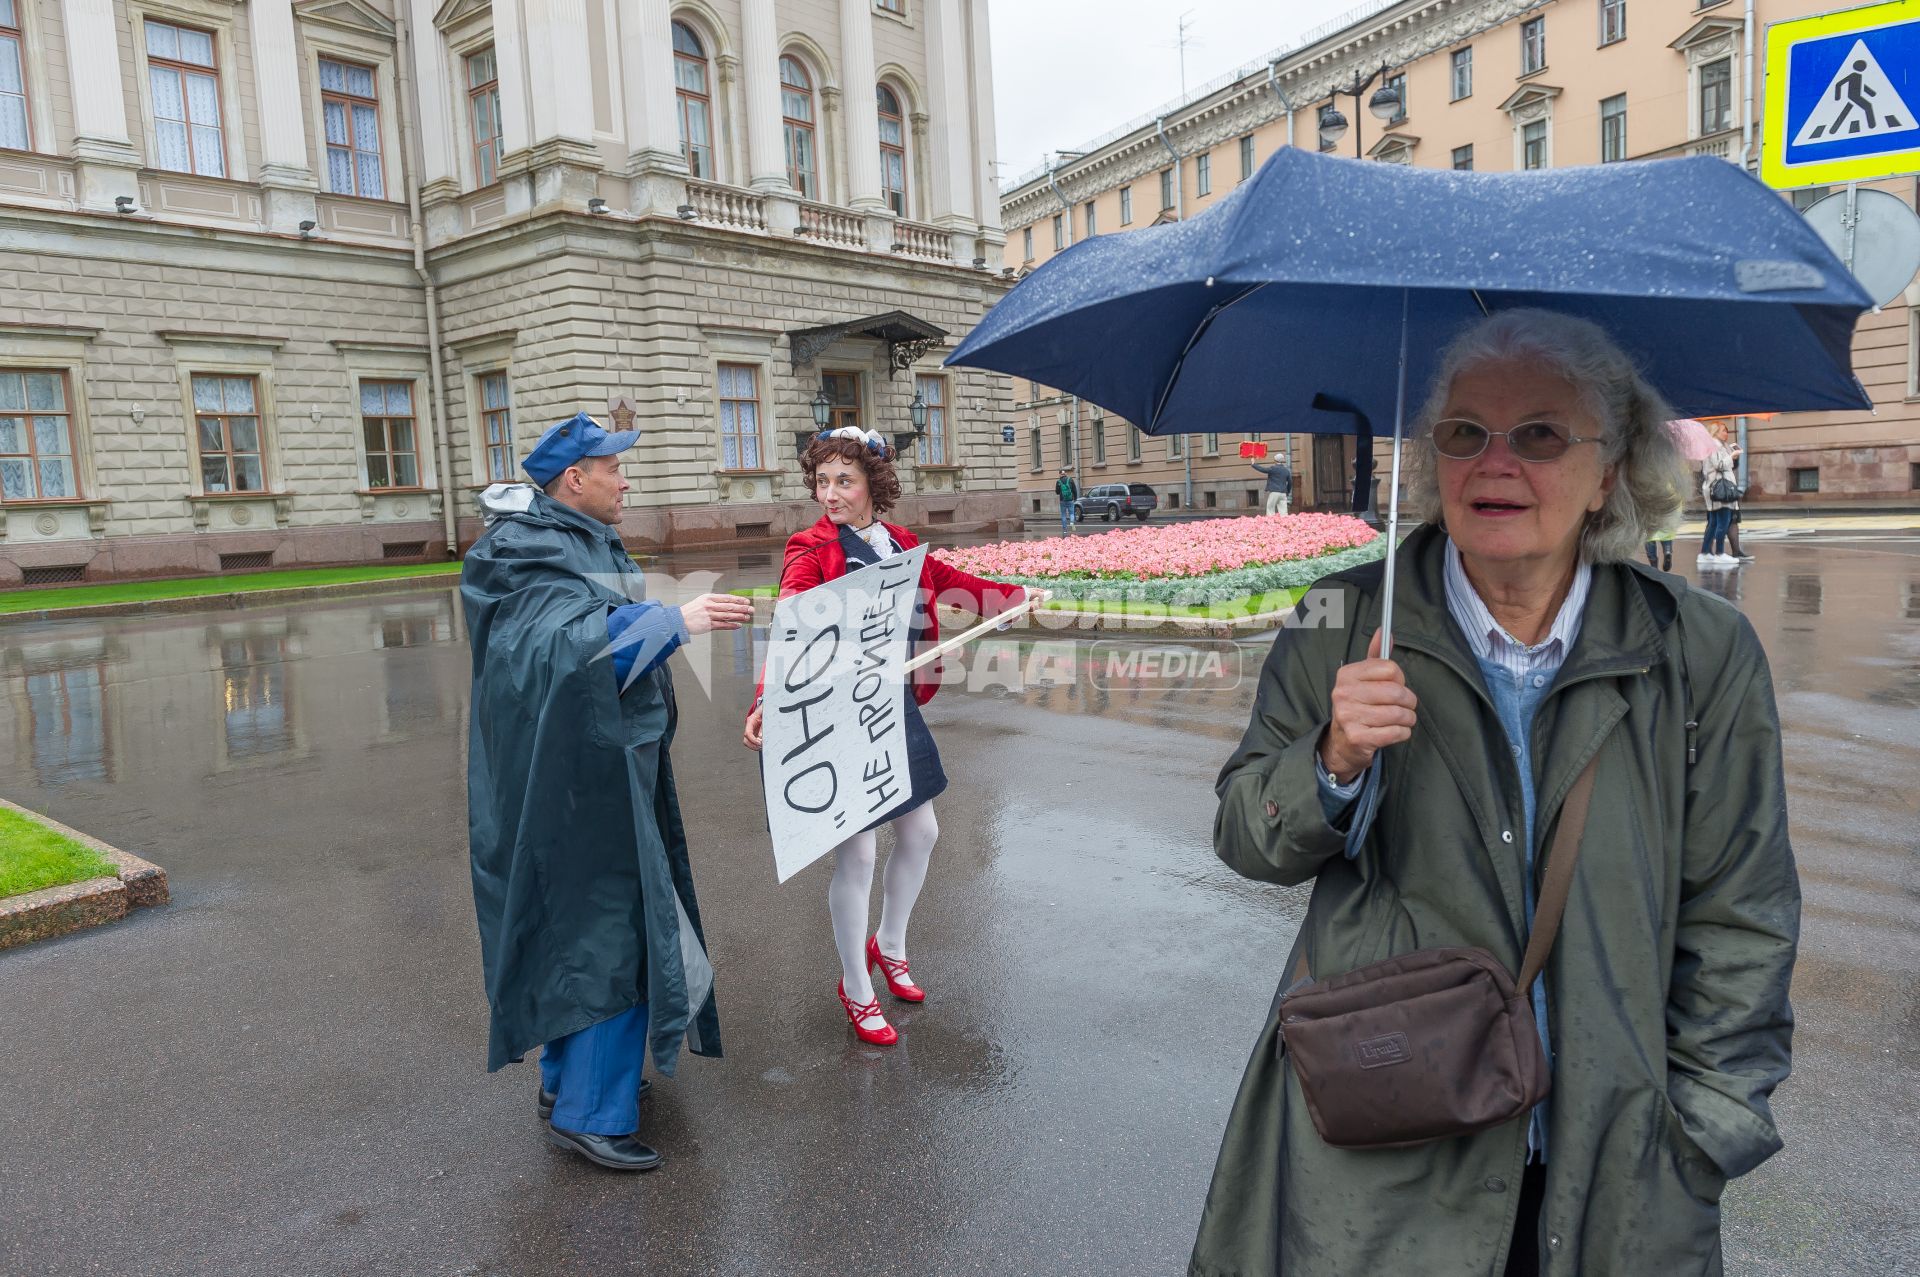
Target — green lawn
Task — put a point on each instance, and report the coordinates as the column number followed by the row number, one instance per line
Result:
column 1229, row 610
column 202, row 586
column 33, row 856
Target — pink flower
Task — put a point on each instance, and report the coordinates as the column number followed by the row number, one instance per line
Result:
column 1167, row 550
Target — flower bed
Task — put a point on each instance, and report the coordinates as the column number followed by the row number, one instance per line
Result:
column 1211, row 561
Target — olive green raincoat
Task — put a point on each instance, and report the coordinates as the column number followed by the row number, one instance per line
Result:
column 1667, row 989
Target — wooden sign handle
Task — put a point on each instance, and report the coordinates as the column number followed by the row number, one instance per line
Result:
column 1033, row 600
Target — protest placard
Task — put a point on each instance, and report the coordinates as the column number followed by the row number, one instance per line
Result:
column 834, row 709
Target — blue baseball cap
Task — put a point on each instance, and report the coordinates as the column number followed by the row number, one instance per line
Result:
column 568, row 443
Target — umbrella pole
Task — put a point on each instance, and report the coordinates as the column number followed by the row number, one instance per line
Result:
column 1393, row 489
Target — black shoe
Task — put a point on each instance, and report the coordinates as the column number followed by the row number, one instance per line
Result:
column 545, row 1107
column 615, row 1152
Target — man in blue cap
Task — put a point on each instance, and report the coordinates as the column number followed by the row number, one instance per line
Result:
column 589, row 931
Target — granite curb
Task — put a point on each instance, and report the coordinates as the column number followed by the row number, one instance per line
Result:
column 55, row 911
column 233, row 600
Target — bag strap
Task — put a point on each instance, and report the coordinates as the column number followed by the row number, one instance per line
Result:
column 1559, row 876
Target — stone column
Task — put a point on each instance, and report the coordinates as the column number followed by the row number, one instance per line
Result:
column 760, row 73
column 656, row 166
column 986, row 156
column 562, row 155
column 107, row 163
column 863, row 120
column 510, row 59
column 286, row 178
column 951, row 189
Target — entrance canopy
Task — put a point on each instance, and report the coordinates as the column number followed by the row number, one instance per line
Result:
column 907, row 337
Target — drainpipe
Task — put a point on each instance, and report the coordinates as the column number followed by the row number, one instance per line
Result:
column 1286, row 104
column 1746, row 111
column 1067, row 211
column 1179, row 211
column 449, row 512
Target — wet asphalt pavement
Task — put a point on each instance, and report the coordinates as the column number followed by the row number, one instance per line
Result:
column 282, row 1072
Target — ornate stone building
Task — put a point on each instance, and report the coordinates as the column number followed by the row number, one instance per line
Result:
column 288, row 281
column 1483, row 84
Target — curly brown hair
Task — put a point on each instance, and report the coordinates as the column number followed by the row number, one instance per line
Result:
column 882, row 482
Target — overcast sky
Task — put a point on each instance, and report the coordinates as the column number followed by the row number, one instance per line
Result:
column 1066, row 71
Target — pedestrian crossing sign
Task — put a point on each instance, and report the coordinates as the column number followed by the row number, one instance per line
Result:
column 1841, row 97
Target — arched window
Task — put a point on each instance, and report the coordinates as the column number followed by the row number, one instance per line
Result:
column 796, row 104
column 695, row 102
column 893, row 151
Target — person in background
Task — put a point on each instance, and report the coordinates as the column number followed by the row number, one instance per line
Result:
column 590, row 936
column 1660, row 550
column 1069, row 493
column 1279, row 485
column 1720, row 487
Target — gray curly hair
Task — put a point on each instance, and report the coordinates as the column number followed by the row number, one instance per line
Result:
column 1650, row 475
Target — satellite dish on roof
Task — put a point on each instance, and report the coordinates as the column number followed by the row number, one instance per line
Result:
column 1886, row 239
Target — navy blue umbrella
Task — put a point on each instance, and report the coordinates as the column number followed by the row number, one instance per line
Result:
column 1326, row 279
column 1297, row 285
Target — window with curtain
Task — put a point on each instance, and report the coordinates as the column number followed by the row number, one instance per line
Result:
column 387, row 424
column 226, row 418
column 1613, row 21
column 1133, row 443
column 1533, row 46
column 796, row 106
column 36, row 437
column 182, row 77
column 1533, row 145
column 893, row 150
column 1613, row 129
column 1716, row 96
column 693, row 99
column 483, row 109
column 15, row 131
column 739, row 417
column 1033, row 444
column 350, row 113
column 496, row 425
column 1463, row 73
column 1213, row 445
column 933, row 442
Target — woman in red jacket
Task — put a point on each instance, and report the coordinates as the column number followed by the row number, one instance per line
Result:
column 851, row 474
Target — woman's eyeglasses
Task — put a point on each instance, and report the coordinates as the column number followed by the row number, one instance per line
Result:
column 1462, row 440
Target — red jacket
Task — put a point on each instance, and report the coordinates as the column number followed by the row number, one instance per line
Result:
column 815, row 555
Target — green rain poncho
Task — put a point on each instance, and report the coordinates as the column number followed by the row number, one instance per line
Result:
column 580, row 871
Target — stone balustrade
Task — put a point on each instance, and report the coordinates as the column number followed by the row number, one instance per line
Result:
column 729, row 206
column 828, row 225
column 915, row 240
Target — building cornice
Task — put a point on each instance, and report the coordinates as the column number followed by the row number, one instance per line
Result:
column 1306, row 76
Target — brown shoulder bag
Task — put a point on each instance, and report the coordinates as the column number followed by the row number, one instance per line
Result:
column 1433, row 1043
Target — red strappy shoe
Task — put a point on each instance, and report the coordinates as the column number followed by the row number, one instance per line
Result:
column 858, row 1011
column 892, row 969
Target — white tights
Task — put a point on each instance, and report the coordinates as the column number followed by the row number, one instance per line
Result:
column 850, row 894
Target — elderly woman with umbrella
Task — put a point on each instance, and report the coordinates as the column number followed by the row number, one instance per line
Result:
column 1537, row 1007
column 1528, row 648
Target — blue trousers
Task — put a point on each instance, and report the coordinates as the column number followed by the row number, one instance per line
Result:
column 1066, row 516
column 1715, row 540
column 594, row 1075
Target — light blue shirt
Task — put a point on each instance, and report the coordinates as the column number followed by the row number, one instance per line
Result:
column 1518, row 678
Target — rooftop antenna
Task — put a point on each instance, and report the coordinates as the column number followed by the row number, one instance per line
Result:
column 1183, row 40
